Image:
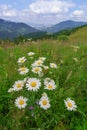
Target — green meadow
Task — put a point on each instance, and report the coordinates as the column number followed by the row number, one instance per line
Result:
column 70, row 78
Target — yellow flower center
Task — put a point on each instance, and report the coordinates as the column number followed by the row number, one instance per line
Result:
column 69, row 104
column 39, row 62
column 44, row 102
column 33, row 84
column 21, row 102
column 36, row 69
column 18, row 85
column 22, row 60
column 53, row 65
column 50, row 86
column 22, row 69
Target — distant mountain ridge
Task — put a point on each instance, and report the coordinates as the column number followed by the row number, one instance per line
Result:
column 69, row 24
column 11, row 30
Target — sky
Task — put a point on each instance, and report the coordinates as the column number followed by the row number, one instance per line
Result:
column 43, row 12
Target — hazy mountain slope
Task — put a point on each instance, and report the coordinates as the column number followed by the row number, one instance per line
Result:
column 64, row 25
column 10, row 29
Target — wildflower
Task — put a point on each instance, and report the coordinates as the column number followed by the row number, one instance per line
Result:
column 70, row 104
column 42, row 58
column 32, row 114
column 33, row 84
column 23, row 70
column 18, row 85
column 25, row 79
column 45, row 67
column 48, row 80
column 44, row 102
column 50, row 86
column 37, row 63
column 44, row 95
column 37, row 70
column 52, row 65
column 61, row 61
column 37, row 102
column 75, row 48
column 31, row 108
column 10, row 90
column 40, row 74
column 20, row 102
column 31, row 53
column 21, row 60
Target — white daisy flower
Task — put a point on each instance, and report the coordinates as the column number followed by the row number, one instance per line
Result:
column 31, row 53
column 18, row 85
column 21, row 60
column 44, row 102
column 23, row 70
column 45, row 67
column 70, row 104
column 33, row 84
column 20, row 102
column 37, row 63
column 10, row 90
column 50, row 86
column 42, row 58
column 48, row 80
column 44, row 94
column 53, row 65
column 37, row 70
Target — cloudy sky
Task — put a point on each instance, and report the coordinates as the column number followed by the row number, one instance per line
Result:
column 46, row 12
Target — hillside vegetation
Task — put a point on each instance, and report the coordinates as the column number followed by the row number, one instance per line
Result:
column 70, row 78
column 43, row 35
column 69, row 24
column 80, row 35
column 10, row 30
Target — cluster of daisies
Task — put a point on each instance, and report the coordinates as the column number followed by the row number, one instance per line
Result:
column 34, row 84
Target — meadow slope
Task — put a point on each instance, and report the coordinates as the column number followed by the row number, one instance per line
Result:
column 70, row 78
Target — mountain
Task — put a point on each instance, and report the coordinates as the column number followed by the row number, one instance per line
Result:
column 11, row 30
column 64, row 25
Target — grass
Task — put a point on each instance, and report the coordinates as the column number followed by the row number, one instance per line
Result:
column 72, row 78
column 79, row 36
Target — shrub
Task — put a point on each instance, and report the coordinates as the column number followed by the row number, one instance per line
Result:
column 63, row 38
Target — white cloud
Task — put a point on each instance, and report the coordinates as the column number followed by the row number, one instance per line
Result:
column 50, row 6
column 5, row 7
column 46, row 12
column 7, row 11
column 78, row 13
